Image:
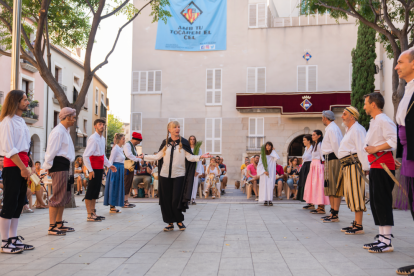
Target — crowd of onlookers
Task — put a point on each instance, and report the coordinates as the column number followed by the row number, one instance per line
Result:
column 288, row 174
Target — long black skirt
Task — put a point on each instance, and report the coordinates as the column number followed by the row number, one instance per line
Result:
column 303, row 174
column 169, row 192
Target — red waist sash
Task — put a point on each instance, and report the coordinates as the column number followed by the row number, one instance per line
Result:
column 385, row 157
column 97, row 162
column 23, row 156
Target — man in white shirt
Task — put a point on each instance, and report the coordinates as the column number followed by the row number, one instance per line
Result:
column 354, row 162
column 330, row 145
column 14, row 146
column 131, row 154
column 60, row 153
column 95, row 159
column 380, row 141
column 405, row 147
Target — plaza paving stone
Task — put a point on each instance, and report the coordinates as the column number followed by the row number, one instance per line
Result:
column 228, row 236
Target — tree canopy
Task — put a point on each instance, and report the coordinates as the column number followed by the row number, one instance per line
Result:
column 114, row 125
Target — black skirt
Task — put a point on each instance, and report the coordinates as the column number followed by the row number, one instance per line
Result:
column 303, row 174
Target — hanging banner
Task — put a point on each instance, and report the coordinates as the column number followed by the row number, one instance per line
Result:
column 194, row 25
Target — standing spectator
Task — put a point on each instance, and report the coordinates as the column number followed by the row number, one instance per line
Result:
column 251, row 172
column 196, row 149
column 79, row 175
column 143, row 174
column 293, row 175
column 223, row 176
column 280, row 176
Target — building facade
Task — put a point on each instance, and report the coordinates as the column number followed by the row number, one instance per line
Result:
column 280, row 70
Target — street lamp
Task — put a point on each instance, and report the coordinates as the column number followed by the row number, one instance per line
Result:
column 112, row 144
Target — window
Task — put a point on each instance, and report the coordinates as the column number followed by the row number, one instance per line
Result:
column 146, row 82
column 256, row 80
column 76, row 81
column 213, row 91
column 58, row 74
column 75, row 94
column 307, row 78
column 350, row 76
column 213, row 135
column 96, row 101
column 257, row 15
column 85, row 126
column 56, row 120
column 85, row 105
column 136, row 122
column 181, row 122
column 256, row 134
column 25, row 86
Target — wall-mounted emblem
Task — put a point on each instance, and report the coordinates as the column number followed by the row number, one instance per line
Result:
column 306, row 104
column 307, row 56
column 191, row 12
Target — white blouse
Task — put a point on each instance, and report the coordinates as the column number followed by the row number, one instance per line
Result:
column 307, row 155
column 404, row 104
column 117, row 155
column 382, row 130
column 177, row 168
column 353, row 142
column 60, row 144
column 95, row 147
column 215, row 171
column 199, row 163
column 317, row 154
column 14, row 136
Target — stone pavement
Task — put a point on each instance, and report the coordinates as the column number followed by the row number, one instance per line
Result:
column 221, row 239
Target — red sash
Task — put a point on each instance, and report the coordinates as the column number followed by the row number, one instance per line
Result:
column 23, row 156
column 97, row 162
column 385, row 157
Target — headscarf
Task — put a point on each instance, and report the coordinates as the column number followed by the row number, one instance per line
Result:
column 354, row 112
column 65, row 112
column 328, row 115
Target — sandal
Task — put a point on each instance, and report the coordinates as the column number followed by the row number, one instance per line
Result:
column 370, row 245
column 21, row 245
column 193, row 203
column 135, row 196
column 146, row 196
column 113, row 210
column 356, row 230
column 270, row 203
column 325, row 217
column 348, row 228
column 129, row 204
column 333, row 218
column 182, row 226
column 10, row 250
column 318, row 211
column 63, row 228
column 309, row 207
column 170, row 227
column 54, row 232
column 383, row 247
column 92, row 219
column 405, row 270
column 100, row 217
column 265, row 203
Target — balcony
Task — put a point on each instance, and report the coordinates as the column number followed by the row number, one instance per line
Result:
column 255, row 143
column 80, row 142
column 31, row 116
column 292, row 103
column 27, row 65
column 309, row 20
column 103, row 112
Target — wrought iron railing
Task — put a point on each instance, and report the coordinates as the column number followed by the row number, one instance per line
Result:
column 81, row 142
column 254, row 143
column 33, row 111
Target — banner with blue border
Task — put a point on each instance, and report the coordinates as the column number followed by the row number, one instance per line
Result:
column 194, row 25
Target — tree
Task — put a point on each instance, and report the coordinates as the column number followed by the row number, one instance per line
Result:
column 114, row 125
column 387, row 14
column 363, row 70
column 67, row 23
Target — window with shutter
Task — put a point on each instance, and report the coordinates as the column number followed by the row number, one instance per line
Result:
column 253, row 16
column 213, row 135
column 256, row 80
column 307, row 78
column 135, row 82
column 213, row 87
column 181, row 122
column 256, row 133
column 146, row 82
column 258, row 15
column 136, row 122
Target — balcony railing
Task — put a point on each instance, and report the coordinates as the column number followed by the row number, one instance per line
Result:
column 81, row 142
column 31, row 116
column 103, row 111
column 255, row 143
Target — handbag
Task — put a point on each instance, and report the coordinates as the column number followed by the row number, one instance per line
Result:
column 129, row 165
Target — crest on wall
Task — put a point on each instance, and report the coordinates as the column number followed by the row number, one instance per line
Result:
column 191, row 12
column 306, row 104
column 307, row 56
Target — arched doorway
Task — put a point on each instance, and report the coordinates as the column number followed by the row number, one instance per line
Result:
column 296, row 148
column 35, row 149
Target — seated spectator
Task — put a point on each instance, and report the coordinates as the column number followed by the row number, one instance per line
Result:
column 245, row 164
column 293, row 175
column 213, row 168
column 251, row 172
column 223, row 174
column 80, row 175
column 143, row 174
column 39, row 190
column 280, row 175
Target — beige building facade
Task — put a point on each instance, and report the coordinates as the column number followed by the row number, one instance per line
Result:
column 260, row 89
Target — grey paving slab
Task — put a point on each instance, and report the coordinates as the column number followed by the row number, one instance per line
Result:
column 227, row 236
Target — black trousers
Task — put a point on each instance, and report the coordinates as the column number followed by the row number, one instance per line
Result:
column 94, row 185
column 14, row 193
column 169, row 192
column 411, row 194
column 380, row 194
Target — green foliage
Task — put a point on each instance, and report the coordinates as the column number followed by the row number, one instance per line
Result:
column 363, row 70
column 263, row 156
column 114, row 125
column 197, row 149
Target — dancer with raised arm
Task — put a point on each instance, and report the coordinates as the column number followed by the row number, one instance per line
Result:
column 14, row 146
column 95, row 159
column 267, row 171
column 196, row 149
column 176, row 164
column 60, row 153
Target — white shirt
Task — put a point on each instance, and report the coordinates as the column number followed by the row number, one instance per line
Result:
column 213, row 170
column 60, row 144
column 404, row 104
column 117, row 155
column 199, row 163
column 95, row 147
column 354, row 142
column 14, row 136
column 178, row 163
column 382, row 130
column 129, row 154
column 332, row 139
column 307, row 155
column 317, row 154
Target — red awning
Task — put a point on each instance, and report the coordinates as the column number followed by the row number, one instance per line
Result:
column 295, row 102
